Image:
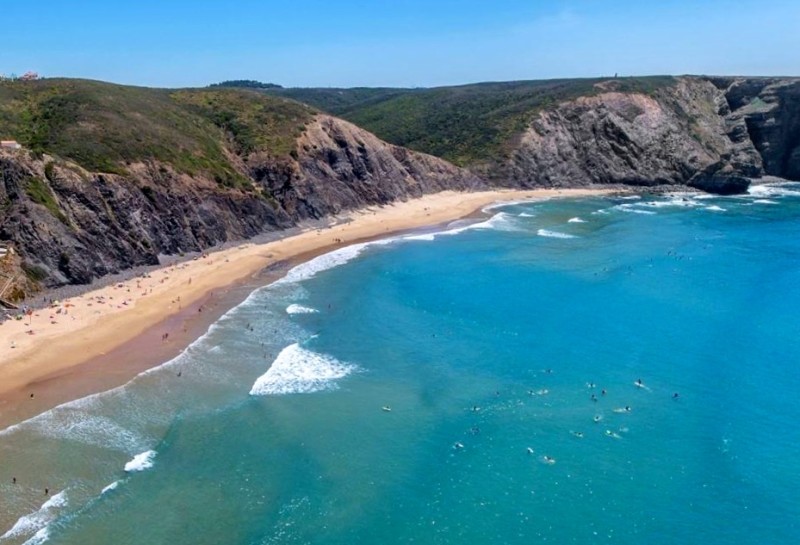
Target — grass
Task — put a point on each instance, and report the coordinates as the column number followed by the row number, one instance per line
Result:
column 105, row 127
column 467, row 125
column 39, row 192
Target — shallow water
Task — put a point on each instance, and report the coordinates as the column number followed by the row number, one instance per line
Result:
column 449, row 387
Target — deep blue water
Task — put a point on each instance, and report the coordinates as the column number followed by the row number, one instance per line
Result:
column 507, row 353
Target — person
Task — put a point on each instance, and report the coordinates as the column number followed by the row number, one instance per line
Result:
column 46, row 491
column 13, row 480
column 675, row 395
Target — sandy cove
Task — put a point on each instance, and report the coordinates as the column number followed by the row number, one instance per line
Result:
column 105, row 337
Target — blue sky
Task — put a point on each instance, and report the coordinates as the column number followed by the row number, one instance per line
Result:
column 395, row 43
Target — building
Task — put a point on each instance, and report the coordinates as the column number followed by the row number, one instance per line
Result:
column 9, row 144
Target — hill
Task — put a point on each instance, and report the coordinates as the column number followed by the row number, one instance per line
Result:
column 468, row 125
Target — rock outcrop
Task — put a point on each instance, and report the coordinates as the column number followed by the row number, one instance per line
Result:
column 71, row 226
column 666, row 138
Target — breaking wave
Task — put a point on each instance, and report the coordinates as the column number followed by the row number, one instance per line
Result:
column 553, row 234
column 140, row 462
column 297, row 370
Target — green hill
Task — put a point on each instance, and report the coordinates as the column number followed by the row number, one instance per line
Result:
column 104, row 127
column 468, row 124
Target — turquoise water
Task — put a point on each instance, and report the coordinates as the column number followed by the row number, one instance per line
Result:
column 487, row 343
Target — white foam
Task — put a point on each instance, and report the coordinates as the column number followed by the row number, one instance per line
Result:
column 140, row 462
column 553, row 234
column 39, row 537
column 765, row 201
column 109, row 488
column 297, row 370
column 780, row 189
column 311, row 268
column 425, row 236
column 300, row 309
column 527, row 215
column 576, row 220
column 631, row 210
column 715, row 208
column 35, row 522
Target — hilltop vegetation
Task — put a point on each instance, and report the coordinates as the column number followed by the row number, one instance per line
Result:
column 468, row 125
column 105, row 127
column 246, row 84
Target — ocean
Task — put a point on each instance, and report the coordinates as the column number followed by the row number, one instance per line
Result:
column 598, row 370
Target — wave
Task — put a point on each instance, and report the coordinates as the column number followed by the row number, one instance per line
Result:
column 779, row 189
column 715, row 208
column 765, row 201
column 631, row 210
column 553, row 234
column 297, row 370
column 36, row 522
column 300, row 309
column 576, row 220
column 526, row 215
column 109, row 488
column 140, row 462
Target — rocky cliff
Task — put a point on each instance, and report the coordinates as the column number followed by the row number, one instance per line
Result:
column 70, row 225
column 113, row 177
column 687, row 133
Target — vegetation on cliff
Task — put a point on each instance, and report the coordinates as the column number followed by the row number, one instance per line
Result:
column 467, row 125
column 105, row 127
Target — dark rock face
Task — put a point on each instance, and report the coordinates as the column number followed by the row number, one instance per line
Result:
column 636, row 139
column 720, row 184
column 89, row 225
column 770, row 108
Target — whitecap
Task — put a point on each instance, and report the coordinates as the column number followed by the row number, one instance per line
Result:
column 527, row 215
column 300, row 309
column 553, row 234
column 140, row 462
column 631, row 210
column 39, row 537
column 109, row 488
column 715, row 208
column 576, row 220
column 780, row 189
column 297, row 370
column 765, row 201
column 37, row 521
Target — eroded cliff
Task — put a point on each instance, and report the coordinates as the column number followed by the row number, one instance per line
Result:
column 70, row 225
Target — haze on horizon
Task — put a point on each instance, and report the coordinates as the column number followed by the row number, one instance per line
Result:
column 407, row 43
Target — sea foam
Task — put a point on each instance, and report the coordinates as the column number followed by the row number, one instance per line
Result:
column 140, row 462
column 298, row 370
column 36, row 522
column 553, row 234
column 300, row 309
column 576, row 220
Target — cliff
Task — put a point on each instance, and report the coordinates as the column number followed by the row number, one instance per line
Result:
column 71, row 225
column 112, row 177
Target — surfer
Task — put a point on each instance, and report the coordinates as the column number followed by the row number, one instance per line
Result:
column 386, row 408
column 529, row 450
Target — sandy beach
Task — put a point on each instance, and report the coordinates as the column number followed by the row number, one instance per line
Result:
column 105, row 337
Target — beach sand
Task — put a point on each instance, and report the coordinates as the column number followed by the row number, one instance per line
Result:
column 105, row 337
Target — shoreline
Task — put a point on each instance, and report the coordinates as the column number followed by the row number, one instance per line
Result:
column 103, row 338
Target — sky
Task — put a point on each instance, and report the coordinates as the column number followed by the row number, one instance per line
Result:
column 399, row 43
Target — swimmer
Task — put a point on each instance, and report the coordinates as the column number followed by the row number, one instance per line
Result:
column 675, row 395
column 594, row 397
column 458, row 445
column 577, row 434
column 529, row 450
column 597, row 418
column 548, row 460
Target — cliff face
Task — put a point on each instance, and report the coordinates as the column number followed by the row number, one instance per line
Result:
column 238, row 164
column 677, row 135
column 70, row 226
column 769, row 108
